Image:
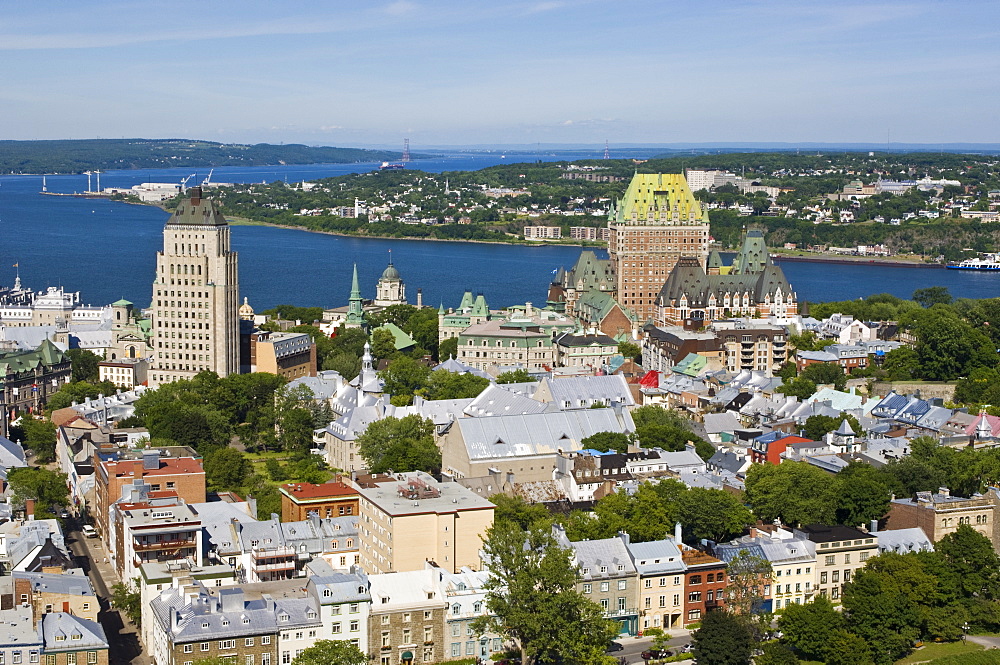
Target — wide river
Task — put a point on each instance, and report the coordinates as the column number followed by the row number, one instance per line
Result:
column 107, row 250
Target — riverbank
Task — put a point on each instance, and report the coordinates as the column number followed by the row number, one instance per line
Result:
column 857, row 260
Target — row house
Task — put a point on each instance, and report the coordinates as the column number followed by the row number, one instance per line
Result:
column 792, row 558
column 408, row 618
column 840, row 551
column 270, row 550
column 607, row 577
column 59, row 638
column 465, row 599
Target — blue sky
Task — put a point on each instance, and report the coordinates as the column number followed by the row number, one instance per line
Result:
column 464, row 72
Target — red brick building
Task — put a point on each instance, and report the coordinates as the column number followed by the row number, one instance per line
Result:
column 704, row 584
column 333, row 499
column 179, row 470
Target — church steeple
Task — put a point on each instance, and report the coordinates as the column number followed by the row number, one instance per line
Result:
column 355, row 307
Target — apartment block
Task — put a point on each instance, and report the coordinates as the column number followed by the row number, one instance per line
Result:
column 412, row 519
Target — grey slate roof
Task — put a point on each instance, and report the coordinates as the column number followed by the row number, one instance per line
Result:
column 582, row 391
column 904, row 540
column 537, row 434
column 657, row 556
column 496, row 401
column 76, row 633
column 73, row 582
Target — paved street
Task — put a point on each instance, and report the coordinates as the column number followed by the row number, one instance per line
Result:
column 632, row 647
column 123, row 637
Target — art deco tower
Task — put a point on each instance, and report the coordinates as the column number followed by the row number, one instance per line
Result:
column 195, row 295
column 657, row 221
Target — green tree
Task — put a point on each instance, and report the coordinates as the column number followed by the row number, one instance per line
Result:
column 400, row 444
column 607, row 441
column 84, row 365
column 798, row 387
column 723, row 639
column 846, row 648
column 443, row 384
column 973, row 565
column 862, row 494
column 449, row 349
column 748, row 575
column 403, row 377
column 532, row 599
column 817, row 426
column 794, row 492
column 39, row 436
column 514, row 376
column 345, row 364
column 47, row 488
column 126, row 599
column 712, row 514
column 775, row 653
column 226, row 469
column 808, row 627
column 884, row 602
column 902, row 364
column 931, row 296
column 331, row 652
column 383, row 344
column 630, row 350
column 296, row 429
column 822, row 373
column 515, row 509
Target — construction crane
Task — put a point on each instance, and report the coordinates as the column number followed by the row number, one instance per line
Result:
column 208, row 178
column 184, row 182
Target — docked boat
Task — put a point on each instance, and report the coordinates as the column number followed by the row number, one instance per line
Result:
column 395, row 166
column 984, row 262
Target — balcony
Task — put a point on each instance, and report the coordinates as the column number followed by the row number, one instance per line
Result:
column 163, row 545
column 265, row 567
column 272, row 552
column 616, row 612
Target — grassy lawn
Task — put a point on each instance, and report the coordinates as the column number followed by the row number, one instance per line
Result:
column 932, row 650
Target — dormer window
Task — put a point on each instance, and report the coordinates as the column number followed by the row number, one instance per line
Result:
column 310, row 614
column 327, row 593
column 246, row 620
column 604, row 569
column 77, row 636
column 283, row 618
column 225, row 622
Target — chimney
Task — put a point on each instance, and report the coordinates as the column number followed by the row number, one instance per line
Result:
column 528, row 309
column 195, row 194
column 678, row 532
column 944, row 491
column 232, row 600
column 29, row 509
column 753, row 532
column 873, row 528
column 420, row 298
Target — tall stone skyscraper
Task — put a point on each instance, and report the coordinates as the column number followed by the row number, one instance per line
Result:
column 657, row 221
column 195, row 295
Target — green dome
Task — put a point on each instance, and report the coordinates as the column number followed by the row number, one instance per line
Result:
column 390, row 273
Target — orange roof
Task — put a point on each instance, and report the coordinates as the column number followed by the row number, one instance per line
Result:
column 169, row 466
column 311, row 492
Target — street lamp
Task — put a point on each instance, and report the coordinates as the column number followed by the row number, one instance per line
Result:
column 965, row 630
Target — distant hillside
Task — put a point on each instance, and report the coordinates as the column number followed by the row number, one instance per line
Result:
column 75, row 156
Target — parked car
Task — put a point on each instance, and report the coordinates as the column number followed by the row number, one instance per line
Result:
column 655, row 654
column 615, row 646
column 89, row 531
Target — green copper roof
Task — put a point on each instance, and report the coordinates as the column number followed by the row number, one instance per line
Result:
column 121, row 303
column 400, row 339
column 196, row 210
column 480, row 308
column 355, row 307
